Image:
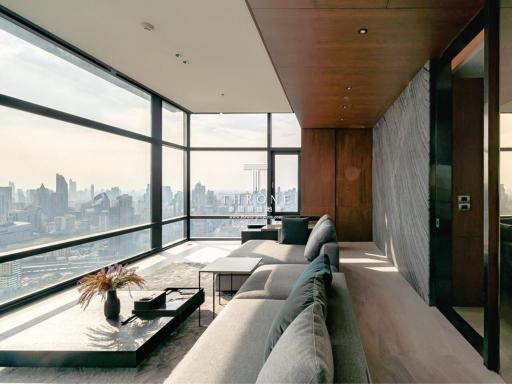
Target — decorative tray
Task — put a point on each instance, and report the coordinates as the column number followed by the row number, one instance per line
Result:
column 177, row 300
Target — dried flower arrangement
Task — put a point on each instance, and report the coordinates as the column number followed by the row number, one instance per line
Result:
column 108, row 279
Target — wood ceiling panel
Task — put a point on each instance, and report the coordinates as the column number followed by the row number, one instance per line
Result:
column 318, row 53
column 434, row 3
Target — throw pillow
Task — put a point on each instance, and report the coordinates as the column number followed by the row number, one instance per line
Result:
column 322, row 267
column 321, row 234
column 303, row 354
column 312, row 290
column 294, row 230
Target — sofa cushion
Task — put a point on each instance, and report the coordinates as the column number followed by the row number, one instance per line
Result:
column 271, row 252
column 230, row 350
column 307, row 341
column 312, row 290
column 320, row 266
column 273, row 281
column 323, row 232
column 350, row 364
column 294, row 230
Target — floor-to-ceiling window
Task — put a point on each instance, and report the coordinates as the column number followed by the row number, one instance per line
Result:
column 77, row 155
column 243, row 169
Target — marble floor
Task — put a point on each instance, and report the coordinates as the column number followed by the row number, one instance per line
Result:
column 404, row 339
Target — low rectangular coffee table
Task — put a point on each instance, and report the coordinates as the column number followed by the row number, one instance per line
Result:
column 78, row 338
column 228, row 266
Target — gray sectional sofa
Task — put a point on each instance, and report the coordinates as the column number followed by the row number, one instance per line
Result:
column 231, row 350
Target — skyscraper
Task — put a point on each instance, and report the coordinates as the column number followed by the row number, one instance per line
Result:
column 5, row 203
column 61, row 200
column 92, row 192
column 72, row 189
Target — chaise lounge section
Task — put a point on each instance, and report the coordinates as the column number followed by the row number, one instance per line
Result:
column 232, row 349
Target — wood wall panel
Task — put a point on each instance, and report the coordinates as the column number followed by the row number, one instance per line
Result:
column 336, row 178
column 317, row 166
column 354, row 184
column 467, row 176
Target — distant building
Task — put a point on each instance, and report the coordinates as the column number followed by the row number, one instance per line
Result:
column 5, row 203
column 61, row 198
column 10, row 276
column 16, row 232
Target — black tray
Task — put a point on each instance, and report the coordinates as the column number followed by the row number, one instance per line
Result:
column 177, row 301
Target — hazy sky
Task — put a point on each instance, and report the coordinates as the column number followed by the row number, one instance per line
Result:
column 34, row 148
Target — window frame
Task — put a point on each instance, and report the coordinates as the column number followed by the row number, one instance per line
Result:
column 155, row 140
column 157, row 144
column 271, row 151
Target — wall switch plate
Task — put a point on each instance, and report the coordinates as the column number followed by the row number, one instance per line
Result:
column 463, row 199
column 464, row 207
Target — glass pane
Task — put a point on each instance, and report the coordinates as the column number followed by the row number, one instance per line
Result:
column 35, row 70
column 21, row 277
column 506, row 183
column 174, row 121
column 61, row 180
column 506, row 128
column 285, row 130
column 173, row 232
column 172, row 183
column 228, row 130
column 228, row 183
column 286, row 189
column 506, row 194
column 221, row 227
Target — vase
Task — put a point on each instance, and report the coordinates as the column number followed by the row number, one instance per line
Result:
column 112, row 305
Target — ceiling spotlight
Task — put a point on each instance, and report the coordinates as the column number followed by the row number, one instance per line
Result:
column 341, row 119
column 349, row 88
column 147, row 26
column 222, row 93
column 362, row 31
column 186, row 61
column 344, row 107
column 178, row 55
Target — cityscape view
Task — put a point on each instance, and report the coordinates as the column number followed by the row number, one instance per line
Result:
column 41, row 215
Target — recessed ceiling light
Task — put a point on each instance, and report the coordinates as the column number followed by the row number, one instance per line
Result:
column 147, row 26
column 186, row 61
column 222, row 93
column 362, row 31
column 349, row 88
column 178, row 55
column 341, row 118
column 344, row 107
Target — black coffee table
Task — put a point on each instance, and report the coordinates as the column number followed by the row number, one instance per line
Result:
column 77, row 338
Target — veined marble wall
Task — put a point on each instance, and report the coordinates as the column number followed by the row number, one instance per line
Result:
column 401, row 182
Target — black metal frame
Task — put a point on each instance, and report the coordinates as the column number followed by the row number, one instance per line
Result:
column 154, row 140
column 271, row 151
column 441, row 198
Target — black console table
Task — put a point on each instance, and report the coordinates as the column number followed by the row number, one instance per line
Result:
column 77, row 338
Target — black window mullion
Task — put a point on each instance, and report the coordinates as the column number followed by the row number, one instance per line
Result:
column 187, row 177
column 156, row 171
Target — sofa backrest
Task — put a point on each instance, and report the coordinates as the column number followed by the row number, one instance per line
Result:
column 332, row 250
column 350, row 364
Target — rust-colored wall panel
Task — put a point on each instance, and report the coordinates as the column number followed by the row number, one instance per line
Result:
column 336, row 178
column 317, row 165
column 467, row 179
column 354, row 184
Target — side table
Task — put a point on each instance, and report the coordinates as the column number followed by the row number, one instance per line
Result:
column 227, row 266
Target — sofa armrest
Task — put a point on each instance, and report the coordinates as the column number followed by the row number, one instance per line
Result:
column 333, row 252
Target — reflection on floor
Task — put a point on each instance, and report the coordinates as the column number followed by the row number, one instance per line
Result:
column 475, row 317
column 404, row 339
